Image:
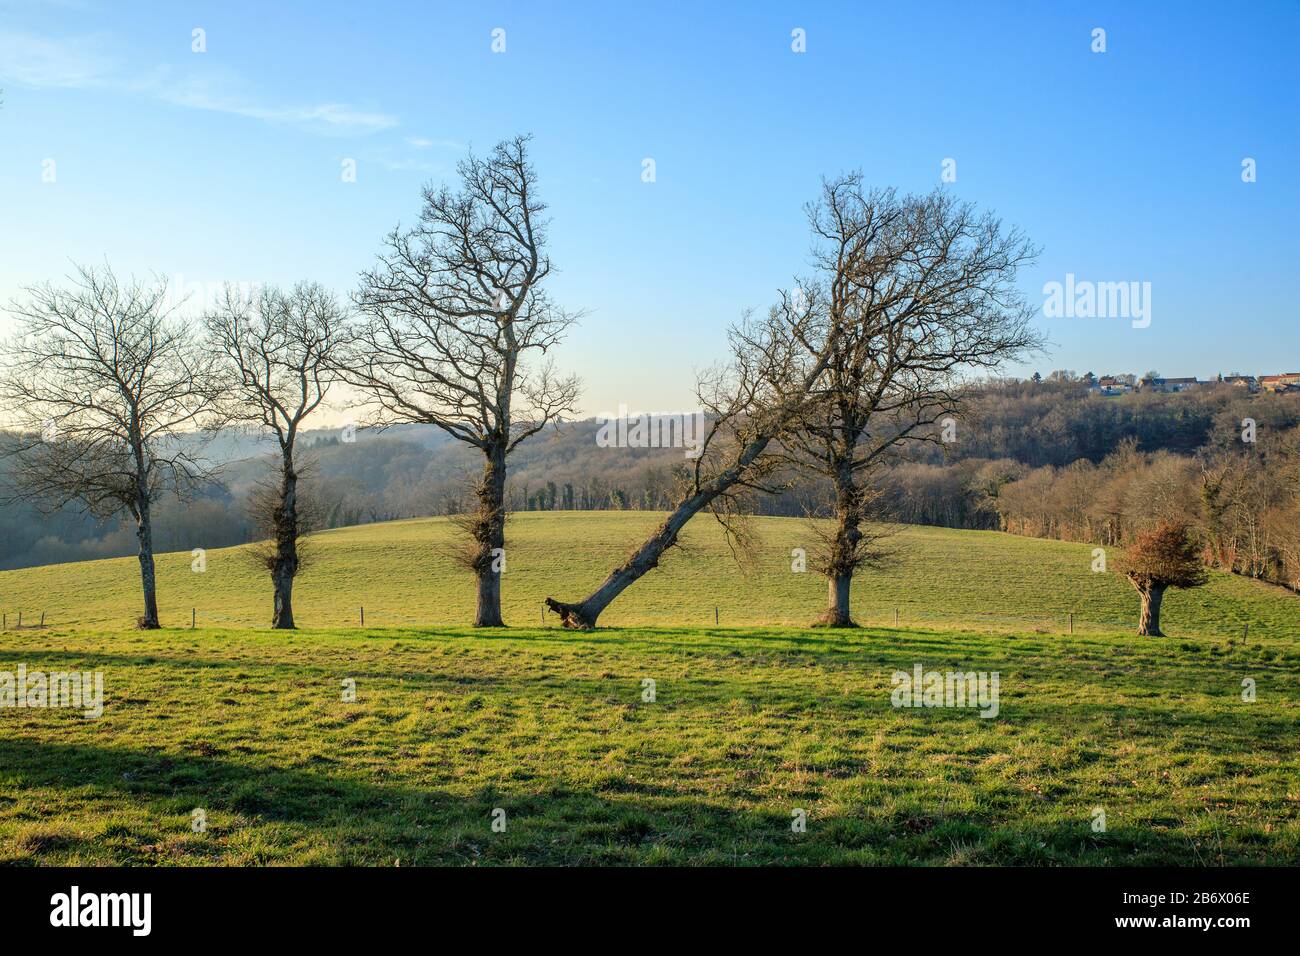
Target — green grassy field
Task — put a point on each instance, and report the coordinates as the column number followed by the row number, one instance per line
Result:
column 749, row 723
column 403, row 574
column 747, row 727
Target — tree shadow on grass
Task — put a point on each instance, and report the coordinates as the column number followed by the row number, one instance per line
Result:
column 353, row 821
column 243, row 667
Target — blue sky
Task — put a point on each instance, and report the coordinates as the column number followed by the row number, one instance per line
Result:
column 225, row 165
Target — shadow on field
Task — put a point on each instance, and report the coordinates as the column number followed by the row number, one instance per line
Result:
column 243, row 667
column 865, row 646
column 142, row 802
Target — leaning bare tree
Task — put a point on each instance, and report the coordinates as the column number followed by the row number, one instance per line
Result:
column 280, row 350
column 775, row 369
column 107, row 389
column 921, row 291
column 456, row 329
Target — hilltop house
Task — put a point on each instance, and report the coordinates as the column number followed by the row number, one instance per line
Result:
column 1126, row 383
column 1148, row 384
column 1287, row 382
column 1110, row 385
column 1248, row 382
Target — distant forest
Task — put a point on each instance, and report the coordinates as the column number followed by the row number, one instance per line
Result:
column 1047, row 459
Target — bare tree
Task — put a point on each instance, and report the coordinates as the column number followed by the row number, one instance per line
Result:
column 456, row 330
column 280, row 350
column 1164, row 557
column 920, row 290
column 107, row 388
column 775, row 369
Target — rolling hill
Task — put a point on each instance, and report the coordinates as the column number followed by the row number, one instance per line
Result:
column 404, row 573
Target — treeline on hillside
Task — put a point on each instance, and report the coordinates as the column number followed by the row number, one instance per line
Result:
column 1024, row 456
column 382, row 476
column 1102, row 470
column 1059, row 422
column 1242, row 501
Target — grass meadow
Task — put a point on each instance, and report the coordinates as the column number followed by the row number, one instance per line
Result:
column 751, row 721
column 404, row 574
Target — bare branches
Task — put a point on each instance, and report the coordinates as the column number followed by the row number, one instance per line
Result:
column 919, row 293
column 264, row 510
column 281, row 351
column 108, row 391
column 103, row 383
column 763, row 392
column 457, row 330
column 923, row 291
column 457, row 323
column 869, row 548
column 777, row 365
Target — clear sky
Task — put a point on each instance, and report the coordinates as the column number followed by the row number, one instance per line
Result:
column 226, row 165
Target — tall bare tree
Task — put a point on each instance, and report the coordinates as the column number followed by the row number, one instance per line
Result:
column 456, row 329
column 281, row 350
column 921, row 293
column 774, row 372
column 108, row 389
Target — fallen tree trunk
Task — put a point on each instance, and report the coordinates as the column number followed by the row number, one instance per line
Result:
column 771, row 397
column 583, row 614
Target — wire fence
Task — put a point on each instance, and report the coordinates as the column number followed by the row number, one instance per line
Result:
column 380, row 618
column 1059, row 622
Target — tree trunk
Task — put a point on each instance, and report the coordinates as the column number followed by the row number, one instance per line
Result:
column 583, row 614
column 1149, row 622
column 286, row 547
column 148, row 581
column 843, row 556
column 837, row 609
column 490, row 534
column 282, row 613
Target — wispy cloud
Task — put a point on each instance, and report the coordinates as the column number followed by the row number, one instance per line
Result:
column 53, row 64
column 420, row 142
column 219, row 94
column 385, row 160
column 81, row 63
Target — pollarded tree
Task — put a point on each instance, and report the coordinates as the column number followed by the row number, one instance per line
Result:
column 455, row 332
column 109, row 392
column 920, row 292
column 279, row 350
column 1165, row 556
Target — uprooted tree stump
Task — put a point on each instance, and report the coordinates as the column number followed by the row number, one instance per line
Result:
column 573, row 616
